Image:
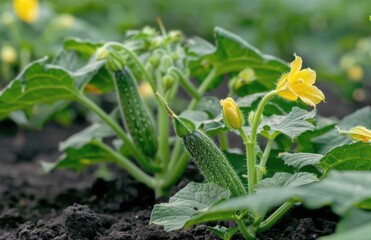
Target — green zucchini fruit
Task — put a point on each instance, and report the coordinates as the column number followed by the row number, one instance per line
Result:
column 135, row 115
column 212, row 162
column 208, row 157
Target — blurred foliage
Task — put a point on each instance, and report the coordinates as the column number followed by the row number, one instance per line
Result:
column 334, row 35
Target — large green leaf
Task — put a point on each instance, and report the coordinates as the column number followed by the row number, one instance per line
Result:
column 292, row 125
column 287, row 180
column 362, row 232
column 341, row 190
column 195, row 197
column 79, row 158
column 332, row 138
column 355, row 156
column 38, row 83
column 233, row 54
column 97, row 131
column 300, row 160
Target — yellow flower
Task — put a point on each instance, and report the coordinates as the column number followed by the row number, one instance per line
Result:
column 27, row 10
column 232, row 115
column 360, row 133
column 8, row 54
column 299, row 84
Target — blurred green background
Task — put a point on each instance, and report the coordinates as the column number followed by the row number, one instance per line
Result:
column 332, row 36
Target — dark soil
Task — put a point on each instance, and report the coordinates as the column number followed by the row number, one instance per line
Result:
column 68, row 205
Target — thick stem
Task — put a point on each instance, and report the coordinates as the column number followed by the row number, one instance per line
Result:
column 272, row 219
column 204, row 86
column 142, row 160
column 187, row 85
column 126, row 164
column 244, row 230
column 264, row 159
column 258, row 113
column 163, row 127
column 176, row 171
column 251, row 165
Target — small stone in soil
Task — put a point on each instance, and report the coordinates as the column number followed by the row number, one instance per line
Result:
column 81, row 222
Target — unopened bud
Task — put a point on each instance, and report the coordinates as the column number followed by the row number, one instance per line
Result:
column 168, row 81
column 232, row 115
column 252, row 116
column 360, row 133
column 8, row 54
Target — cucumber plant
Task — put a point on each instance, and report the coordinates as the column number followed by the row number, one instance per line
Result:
column 145, row 74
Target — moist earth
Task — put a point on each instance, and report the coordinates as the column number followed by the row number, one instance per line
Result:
column 68, row 205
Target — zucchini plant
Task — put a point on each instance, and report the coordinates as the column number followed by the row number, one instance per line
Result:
column 292, row 155
column 269, row 188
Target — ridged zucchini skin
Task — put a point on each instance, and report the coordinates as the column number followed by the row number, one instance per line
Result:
column 212, row 162
column 135, row 114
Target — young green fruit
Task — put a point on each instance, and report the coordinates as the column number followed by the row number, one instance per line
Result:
column 208, row 157
column 135, row 114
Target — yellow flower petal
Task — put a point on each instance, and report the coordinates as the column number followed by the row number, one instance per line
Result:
column 308, row 76
column 360, row 133
column 299, row 84
column 232, row 115
column 282, row 83
column 309, row 94
column 295, row 68
column 26, row 10
column 288, row 94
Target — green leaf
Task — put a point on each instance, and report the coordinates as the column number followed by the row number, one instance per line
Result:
column 352, row 219
column 341, row 190
column 287, row 180
column 233, row 54
column 96, row 131
column 355, row 156
column 292, row 125
column 362, row 232
column 79, row 158
column 198, row 117
column 332, row 138
column 210, row 105
column 300, row 160
column 38, row 83
column 86, row 47
column 195, row 197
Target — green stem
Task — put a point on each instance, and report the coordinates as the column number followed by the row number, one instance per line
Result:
column 163, row 126
column 187, row 85
column 176, row 170
column 142, row 160
column 258, row 113
column 223, row 141
column 272, row 219
column 126, row 164
column 204, row 86
column 6, row 71
column 264, row 159
column 251, row 143
column 244, row 230
column 251, row 164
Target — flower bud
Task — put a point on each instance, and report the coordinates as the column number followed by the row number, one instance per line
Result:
column 360, row 133
column 251, row 118
column 232, row 115
column 168, row 81
column 27, row 10
column 8, row 54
